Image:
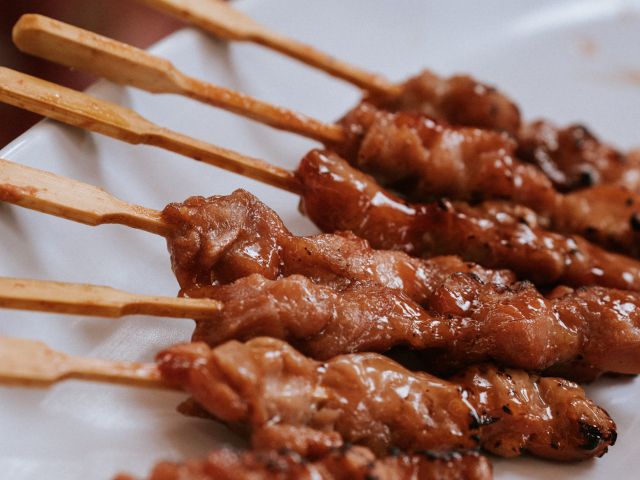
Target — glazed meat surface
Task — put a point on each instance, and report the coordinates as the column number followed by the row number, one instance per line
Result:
column 337, row 197
column 459, row 312
column 425, row 160
column 459, row 100
column 347, row 463
column 288, row 400
column 574, row 158
column 220, row 239
column 608, row 215
column 466, row 321
column 319, row 320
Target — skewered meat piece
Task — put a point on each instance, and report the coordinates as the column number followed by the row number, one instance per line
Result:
column 608, row 215
column 338, row 197
column 426, row 160
column 574, row 158
column 319, row 320
column 347, row 463
column 466, row 321
column 288, row 400
column 220, row 239
column 459, row 100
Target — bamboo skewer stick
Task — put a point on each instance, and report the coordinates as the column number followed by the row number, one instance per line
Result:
column 83, row 111
column 28, row 362
column 66, row 198
column 63, row 197
column 224, row 21
column 124, row 64
column 95, row 300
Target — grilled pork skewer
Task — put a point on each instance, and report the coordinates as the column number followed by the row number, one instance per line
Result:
column 346, row 463
column 581, row 333
column 338, row 197
column 493, row 238
column 425, row 159
column 287, row 400
column 460, row 310
column 323, row 321
column 95, row 300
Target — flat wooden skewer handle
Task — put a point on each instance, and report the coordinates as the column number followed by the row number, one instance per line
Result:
column 122, row 63
column 32, row 362
column 226, row 22
column 83, row 111
column 73, row 200
column 94, row 300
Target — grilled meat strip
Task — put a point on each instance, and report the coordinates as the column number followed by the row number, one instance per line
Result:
column 220, row 239
column 466, row 322
column 574, row 158
column 608, row 215
column 426, row 160
column 319, row 320
column 338, row 197
column 288, row 400
column 459, row 100
column 347, row 463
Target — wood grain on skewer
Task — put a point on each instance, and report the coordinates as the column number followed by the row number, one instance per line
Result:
column 224, row 21
column 81, row 110
column 122, row 63
column 32, row 362
column 95, row 300
column 63, row 197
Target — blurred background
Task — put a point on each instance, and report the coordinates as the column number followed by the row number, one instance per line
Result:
column 124, row 20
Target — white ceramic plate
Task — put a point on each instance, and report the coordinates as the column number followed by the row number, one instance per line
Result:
column 566, row 60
